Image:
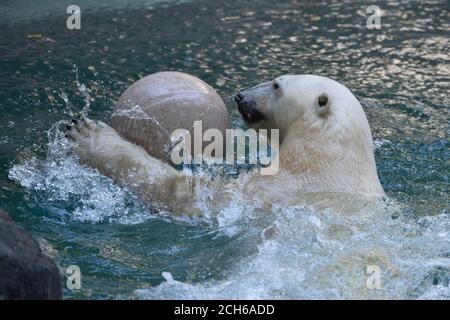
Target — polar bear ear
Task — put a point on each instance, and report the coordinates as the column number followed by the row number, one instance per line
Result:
column 323, row 105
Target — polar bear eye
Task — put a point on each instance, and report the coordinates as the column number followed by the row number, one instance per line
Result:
column 322, row 100
column 276, row 86
column 323, row 105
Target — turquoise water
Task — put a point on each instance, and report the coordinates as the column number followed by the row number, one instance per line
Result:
column 400, row 74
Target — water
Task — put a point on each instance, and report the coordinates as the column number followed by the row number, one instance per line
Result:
column 400, row 74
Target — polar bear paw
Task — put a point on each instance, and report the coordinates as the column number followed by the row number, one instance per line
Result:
column 82, row 129
column 89, row 136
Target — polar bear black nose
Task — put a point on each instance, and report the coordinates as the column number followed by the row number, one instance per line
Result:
column 238, row 98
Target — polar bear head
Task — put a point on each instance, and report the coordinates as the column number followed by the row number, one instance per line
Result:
column 311, row 102
column 324, row 134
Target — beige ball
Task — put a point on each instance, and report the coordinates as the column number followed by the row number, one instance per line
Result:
column 153, row 107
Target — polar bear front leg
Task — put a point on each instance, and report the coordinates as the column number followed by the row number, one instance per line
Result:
column 101, row 147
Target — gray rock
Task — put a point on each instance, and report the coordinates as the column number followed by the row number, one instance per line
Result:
column 25, row 272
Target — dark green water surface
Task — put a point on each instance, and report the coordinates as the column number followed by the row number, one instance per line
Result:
column 400, row 73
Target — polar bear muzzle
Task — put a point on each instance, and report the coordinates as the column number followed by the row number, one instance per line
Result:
column 253, row 104
column 247, row 108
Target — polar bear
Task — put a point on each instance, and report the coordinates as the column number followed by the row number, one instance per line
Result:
column 326, row 147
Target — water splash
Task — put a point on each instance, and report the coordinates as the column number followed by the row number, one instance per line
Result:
column 84, row 90
column 81, row 193
column 300, row 252
column 308, row 254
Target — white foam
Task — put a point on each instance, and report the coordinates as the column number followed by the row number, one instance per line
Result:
column 60, row 178
column 313, row 255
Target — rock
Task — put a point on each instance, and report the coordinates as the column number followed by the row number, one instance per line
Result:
column 153, row 107
column 25, row 272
